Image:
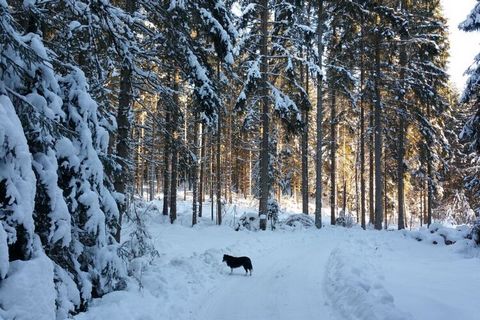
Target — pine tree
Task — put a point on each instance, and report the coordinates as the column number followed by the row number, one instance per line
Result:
column 470, row 98
column 272, row 80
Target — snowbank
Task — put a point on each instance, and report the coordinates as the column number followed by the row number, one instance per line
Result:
column 354, row 287
column 28, row 291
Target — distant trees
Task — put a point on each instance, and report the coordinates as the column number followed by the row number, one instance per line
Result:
column 471, row 100
column 391, row 78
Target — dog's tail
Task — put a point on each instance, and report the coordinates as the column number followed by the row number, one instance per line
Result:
column 249, row 264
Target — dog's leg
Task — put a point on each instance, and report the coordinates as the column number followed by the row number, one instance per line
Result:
column 231, row 270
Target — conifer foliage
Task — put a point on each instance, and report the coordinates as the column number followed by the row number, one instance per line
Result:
column 471, row 101
column 54, row 193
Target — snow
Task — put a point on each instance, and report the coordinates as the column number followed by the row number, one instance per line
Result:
column 28, row 292
column 17, row 175
column 3, row 253
column 298, row 273
column 68, row 295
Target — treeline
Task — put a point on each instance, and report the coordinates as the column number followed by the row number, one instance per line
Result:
column 346, row 102
column 368, row 126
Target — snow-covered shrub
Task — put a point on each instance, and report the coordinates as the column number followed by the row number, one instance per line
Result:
column 457, row 210
column 475, row 233
column 299, row 220
column 439, row 234
column 140, row 242
column 272, row 213
column 249, row 221
column 345, row 221
column 138, row 251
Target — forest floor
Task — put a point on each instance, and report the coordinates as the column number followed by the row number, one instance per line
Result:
column 298, row 273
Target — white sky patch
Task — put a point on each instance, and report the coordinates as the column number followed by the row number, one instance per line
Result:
column 463, row 45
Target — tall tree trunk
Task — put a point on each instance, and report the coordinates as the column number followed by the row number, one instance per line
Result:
column 304, row 76
column 400, row 173
column 202, row 169
column 421, row 204
column 425, row 202
column 166, row 161
column 229, row 155
column 212, row 161
column 378, row 140
column 152, row 167
column 218, row 158
column 174, row 151
column 333, row 153
column 195, row 169
column 344, row 174
column 385, row 193
column 125, row 105
column 362, row 133
column 356, row 177
column 250, row 161
column 264, row 150
column 430, row 188
column 319, row 120
column 218, row 170
column 371, row 177
column 401, row 127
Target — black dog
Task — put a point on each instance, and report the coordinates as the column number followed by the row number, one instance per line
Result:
column 236, row 262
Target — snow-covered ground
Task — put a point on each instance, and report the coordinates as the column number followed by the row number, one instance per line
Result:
column 298, row 273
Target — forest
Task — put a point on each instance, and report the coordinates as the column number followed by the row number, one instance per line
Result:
column 115, row 115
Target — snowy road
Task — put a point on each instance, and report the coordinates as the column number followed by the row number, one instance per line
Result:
column 287, row 283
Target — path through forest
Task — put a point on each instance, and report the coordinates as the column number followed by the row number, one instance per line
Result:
column 287, row 283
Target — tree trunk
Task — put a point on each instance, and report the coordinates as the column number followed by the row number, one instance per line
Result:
column 125, row 105
column 333, row 153
column 378, row 140
column 264, row 150
column 318, row 149
column 430, row 188
column 385, row 193
column 185, row 139
column 202, row 169
column 218, row 170
column 400, row 172
column 166, row 161
column 229, row 154
column 212, row 160
column 173, row 147
column 152, row 169
column 362, row 134
column 195, row 170
column 401, row 128
column 421, row 204
column 305, row 147
column 371, row 178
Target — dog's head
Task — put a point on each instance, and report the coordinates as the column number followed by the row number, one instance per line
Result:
column 224, row 258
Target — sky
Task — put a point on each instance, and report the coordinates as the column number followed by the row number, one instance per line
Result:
column 463, row 45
